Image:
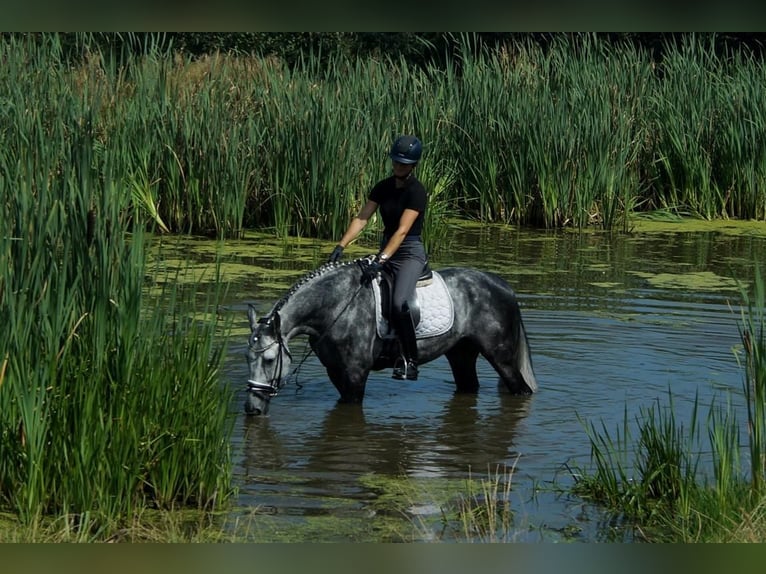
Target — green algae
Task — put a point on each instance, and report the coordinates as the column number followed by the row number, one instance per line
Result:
column 690, row 281
column 328, row 528
column 605, row 284
column 182, row 271
column 393, row 509
column 262, row 267
column 647, row 224
column 399, row 494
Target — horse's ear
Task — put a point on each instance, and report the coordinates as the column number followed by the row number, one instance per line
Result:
column 252, row 317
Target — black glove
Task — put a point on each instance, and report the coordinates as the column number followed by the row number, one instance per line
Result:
column 374, row 267
column 370, row 269
column 336, row 254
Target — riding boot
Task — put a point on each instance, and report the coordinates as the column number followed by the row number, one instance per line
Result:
column 406, row 366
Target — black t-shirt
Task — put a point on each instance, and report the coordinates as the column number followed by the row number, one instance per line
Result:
column 392, row 203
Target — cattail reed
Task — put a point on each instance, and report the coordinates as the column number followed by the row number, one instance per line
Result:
column 582, row 133
column 110, row 400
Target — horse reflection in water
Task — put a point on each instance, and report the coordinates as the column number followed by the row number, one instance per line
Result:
column 351, row 442
column 335, row 305
column 463, row 437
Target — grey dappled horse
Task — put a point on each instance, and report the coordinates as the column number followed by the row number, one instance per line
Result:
column 335, row 306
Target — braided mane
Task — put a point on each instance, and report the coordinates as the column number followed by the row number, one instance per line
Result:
column 309, row 277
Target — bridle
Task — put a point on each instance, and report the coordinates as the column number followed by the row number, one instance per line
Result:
column 271, row 387
column 267, row 390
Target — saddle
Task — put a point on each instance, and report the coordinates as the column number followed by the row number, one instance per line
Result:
column 386, row 285
column 430, row 305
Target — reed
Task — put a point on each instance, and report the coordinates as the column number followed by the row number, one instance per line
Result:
column 484, row 511
column 109, row 400
column 582, row 133
column 753, row 334
column 652, row 474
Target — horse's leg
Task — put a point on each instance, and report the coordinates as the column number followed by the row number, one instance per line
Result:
column 462, row 359
column 502, row 362
column 349, row 382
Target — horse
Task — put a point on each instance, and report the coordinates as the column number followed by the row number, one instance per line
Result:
column 339, row 307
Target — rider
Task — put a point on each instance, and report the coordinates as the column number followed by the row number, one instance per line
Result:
column 402, row 200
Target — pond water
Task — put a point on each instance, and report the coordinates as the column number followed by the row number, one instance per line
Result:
column 616, row 322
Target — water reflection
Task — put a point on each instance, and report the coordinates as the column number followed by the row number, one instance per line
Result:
column 346, row 444
column 446, row 444
column 262, row 448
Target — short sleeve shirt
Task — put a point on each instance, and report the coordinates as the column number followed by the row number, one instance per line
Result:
column 392, row 202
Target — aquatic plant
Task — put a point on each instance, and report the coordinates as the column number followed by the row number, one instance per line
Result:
column 753, row 333
column 658, row 481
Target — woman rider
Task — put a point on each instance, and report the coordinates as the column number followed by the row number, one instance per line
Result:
column 402, row 200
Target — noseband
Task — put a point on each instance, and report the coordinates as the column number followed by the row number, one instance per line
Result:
column 271, row 387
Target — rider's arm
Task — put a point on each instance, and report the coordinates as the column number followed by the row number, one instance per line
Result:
column 358, row 223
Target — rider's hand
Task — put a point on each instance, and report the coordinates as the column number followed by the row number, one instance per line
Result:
column 336, row 254
column 376, row 265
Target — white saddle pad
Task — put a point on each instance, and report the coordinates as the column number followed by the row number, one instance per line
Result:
column 436, row 310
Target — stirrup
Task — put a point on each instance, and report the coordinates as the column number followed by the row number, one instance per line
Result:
column 405, row 370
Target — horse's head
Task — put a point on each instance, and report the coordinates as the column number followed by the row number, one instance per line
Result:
column 268, row 359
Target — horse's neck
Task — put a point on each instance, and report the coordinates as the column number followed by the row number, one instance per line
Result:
column 296, row 320
column 305, row 312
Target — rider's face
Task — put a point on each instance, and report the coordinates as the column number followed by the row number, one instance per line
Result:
column 402, row 170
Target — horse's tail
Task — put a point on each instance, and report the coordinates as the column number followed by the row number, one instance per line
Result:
column 524, row 357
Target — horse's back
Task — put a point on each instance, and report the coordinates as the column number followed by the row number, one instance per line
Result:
column 469, row 280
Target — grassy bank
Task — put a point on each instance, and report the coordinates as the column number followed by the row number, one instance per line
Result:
column 576, row 134
column 691, row 481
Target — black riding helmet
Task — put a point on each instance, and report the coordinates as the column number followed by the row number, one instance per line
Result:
column 406, row 149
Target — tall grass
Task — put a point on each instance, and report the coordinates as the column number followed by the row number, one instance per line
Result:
column 109, row 400
column 581, row 133
column 753, row 333
column 659, row 482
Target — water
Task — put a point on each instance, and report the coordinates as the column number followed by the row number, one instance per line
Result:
column 615, row 323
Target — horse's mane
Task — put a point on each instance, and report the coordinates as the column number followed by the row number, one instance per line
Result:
column 320, row 271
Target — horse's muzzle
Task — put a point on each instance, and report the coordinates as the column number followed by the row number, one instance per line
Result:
column 258, row 398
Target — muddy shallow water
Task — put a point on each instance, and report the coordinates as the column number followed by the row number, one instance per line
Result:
column 615, row 323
